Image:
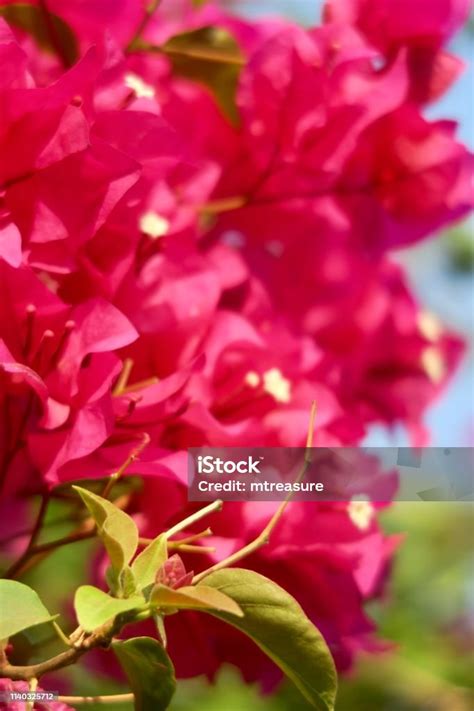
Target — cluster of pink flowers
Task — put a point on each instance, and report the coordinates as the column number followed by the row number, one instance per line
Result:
column 166, row 273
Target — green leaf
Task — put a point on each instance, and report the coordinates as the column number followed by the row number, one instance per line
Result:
column 95, row 607
column 210, row 56
column 146, row 564
column 20, row 608
column 149, row 671
column 117, row 529
column 50, row 31
column 127, row 585
column 188, row 597
column 275, row 621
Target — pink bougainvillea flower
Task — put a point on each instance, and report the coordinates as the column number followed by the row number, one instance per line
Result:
column 297, row 144
column 422, row 29
column 252, row 393
column 178, row 16
column 82, row 380
column 13, row 59
column 52, row 214
column 173, row 573
column 347, row 317
column 398, row 22
column 65, row 357
column 173, row 302
column 38, row 128
column 170, row 279
column 419, row 158
column 10, row 241
column 294, row 126
column 41, row 126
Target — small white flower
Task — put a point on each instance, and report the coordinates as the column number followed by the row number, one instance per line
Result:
column 154, row 225
column 138, row 86
column 361, row 512
column 276, row 385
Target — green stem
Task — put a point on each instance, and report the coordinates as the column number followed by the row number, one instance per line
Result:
column 63, row 637
column 217, row 207
column 38, row 552
column 265, row 535
column 200, row 53
column 99, row 638
column 134, row 454
column 197, row 516
column 27, row 672
column 106, row 699
column 17, row 566
column 35, row 553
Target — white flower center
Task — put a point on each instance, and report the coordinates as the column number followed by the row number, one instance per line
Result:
column 252, row 379
column 154, row 225
column 138, row 86
column 429, row 326
column 276, row 385
column 361, row 513
column 433, row 364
